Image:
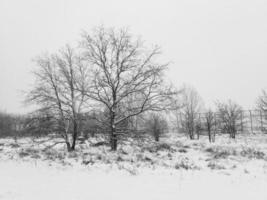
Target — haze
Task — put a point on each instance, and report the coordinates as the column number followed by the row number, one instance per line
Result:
column 219, row 47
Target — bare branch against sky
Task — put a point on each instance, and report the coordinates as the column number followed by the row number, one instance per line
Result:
column 219, row 47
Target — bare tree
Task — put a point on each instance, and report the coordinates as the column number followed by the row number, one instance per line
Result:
column 176, row 114
column 125, row 77
column 210, row 124
column 198, row 125
column 262, row 105
column 262, row 102
column 230, row 115
column 156, row 125
column 192, row 105
column 57, row 77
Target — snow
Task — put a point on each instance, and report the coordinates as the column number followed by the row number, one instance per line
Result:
column 188, row 170
column 29, row 181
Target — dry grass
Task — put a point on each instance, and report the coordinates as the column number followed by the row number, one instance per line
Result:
column 176, row 152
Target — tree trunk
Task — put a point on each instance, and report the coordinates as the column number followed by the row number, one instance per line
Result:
column 68, row 146
column 209, row 132
column 114, row 142
column 74, row 136
column 191, row 135
column 156, row 135
column 213, row 136
column 113, row 139
column 113, row 135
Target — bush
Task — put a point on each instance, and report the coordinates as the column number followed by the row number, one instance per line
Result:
column 252, row 153
column 214, row 165
column 185, row 163
column 158, row 147
column 182, row 150
column 34, row 153
column 221, row 152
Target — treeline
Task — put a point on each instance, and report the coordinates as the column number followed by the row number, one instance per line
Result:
column 40, row 124
column 226, row 117
column 8, row 124
column 23, row 125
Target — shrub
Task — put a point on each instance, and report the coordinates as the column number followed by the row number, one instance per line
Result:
column 182, row 150
column 252, row 153
column 185, row 163
column 221, row 152
column 214, row 165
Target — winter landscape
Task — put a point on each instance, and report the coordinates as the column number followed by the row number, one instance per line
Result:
column 133, row 100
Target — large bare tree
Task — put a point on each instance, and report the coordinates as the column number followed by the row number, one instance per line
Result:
column 125, row 76
column 57, row 77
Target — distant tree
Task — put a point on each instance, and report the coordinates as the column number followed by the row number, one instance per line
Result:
column 57, row 77
column 11, row 125
column 198, row 125
column 91, row 125
column 156, row 125
column 95, row 122
column 39, row 123
column 6, row 122
column 192, row 105
column 125, row 77
column 262, row 103
column 210, row 124
column 230, row 115
column 176, row 112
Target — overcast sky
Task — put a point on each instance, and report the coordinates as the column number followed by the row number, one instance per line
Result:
column 219, row 47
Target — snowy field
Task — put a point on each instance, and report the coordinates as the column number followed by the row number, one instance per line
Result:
column 174, row 168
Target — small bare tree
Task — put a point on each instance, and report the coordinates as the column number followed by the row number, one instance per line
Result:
column 262, row 102
column 176, row 115
column 192, row 105
column 210, row 124
column 156, row 125
column 261, row 105
column 230, row 115
column 57, row 77
column 198, row 125
column 125, row 77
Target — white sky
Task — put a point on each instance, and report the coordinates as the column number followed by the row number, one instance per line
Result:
column 219, row 47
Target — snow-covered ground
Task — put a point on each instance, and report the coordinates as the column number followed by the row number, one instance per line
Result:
column 175, row 168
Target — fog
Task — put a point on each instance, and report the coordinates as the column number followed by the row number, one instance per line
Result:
column 219, row 47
